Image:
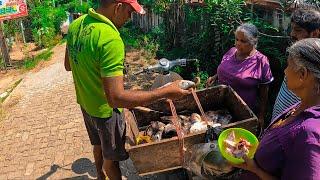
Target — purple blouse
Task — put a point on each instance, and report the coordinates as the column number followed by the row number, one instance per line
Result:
column 245, row 76
column 293, row 150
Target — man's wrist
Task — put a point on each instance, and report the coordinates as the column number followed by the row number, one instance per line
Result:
column 159, row 93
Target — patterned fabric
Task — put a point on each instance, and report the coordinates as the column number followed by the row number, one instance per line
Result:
column 285, row 99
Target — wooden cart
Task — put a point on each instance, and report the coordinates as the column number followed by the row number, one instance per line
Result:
column 164, row 155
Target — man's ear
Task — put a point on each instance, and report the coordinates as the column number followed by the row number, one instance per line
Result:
column 118, row 8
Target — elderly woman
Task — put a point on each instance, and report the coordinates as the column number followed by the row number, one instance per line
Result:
column 246, row 70
column 290, row 146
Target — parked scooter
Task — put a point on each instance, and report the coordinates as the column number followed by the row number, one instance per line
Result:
column 165, row 76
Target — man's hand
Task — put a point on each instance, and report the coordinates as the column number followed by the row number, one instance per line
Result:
column 117, row 96
column 211, row 80
column 174, row 91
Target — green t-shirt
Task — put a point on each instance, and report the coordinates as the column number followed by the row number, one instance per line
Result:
column 96, row 50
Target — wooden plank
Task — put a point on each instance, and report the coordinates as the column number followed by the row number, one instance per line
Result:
column 238, row 108
column 144, row 115
column 161, row 155
column 153, row 20
column 250, row 124
column 149, row 21
column 160, row 171
column 211, row 98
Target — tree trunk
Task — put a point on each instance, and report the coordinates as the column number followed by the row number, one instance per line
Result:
column 4, row 47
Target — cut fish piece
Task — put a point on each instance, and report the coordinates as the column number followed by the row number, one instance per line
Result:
column 237, row 149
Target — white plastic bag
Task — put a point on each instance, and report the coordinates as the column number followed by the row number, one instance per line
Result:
column 206, row 161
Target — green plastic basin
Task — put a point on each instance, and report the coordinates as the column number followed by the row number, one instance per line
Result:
column 239, row 133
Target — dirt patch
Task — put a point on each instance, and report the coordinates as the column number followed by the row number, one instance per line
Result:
column 11, row 101
column 57, row 55
column 134, row 62
column 9, row 77
column 20, row 51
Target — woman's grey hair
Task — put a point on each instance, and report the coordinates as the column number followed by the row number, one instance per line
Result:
column 306, row 54
column 251, row 32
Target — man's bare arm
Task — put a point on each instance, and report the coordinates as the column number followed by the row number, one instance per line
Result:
column 66, row 61
column 117, row 96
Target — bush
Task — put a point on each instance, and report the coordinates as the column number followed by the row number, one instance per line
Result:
column 135, row 38
column 30, row 63
column 44, row 36
column 45, row 21
column 207, row 33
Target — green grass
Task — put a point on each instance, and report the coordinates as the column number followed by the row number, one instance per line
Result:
column 16, row 84
column 30, row 63
column 2, row 112
column 63, row 40
column 2, row 64
column 9, row 90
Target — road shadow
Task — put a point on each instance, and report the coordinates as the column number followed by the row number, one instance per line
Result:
column 82, row 166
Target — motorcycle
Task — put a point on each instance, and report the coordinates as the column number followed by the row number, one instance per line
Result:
column 166, row 76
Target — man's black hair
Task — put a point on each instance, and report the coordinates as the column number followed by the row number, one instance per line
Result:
column 105, row 2
column 308, row 19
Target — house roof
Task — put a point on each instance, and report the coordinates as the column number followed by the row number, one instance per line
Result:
column 304, row 4
column 273, row 4
column 279, row 4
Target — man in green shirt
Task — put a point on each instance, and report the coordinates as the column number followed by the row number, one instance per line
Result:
column 95, row 54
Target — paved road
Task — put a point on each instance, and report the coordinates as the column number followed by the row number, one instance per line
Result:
column 43, row 135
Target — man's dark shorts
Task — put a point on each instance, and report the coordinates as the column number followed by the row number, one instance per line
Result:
column 109, row 133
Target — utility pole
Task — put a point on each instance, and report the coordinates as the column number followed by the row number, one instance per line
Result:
column 22, row 31
column 4, row 47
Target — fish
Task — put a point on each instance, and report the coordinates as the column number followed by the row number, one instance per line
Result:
column 155, row 130
column 189, row 124
column 169, row 131
column 195, row 118
column 157, row 136
column 202, row 126
column 186, row 125
column 220, row 116
column 184, row 118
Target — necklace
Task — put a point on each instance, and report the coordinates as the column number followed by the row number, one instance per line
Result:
column 281, row 121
